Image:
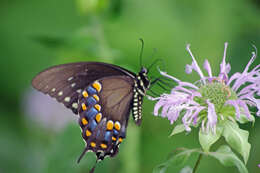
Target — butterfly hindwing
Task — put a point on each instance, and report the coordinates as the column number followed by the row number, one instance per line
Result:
column 104, row 111
column 65, row 82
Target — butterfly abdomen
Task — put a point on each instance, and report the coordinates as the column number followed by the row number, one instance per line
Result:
column 140, row 87
column 137, row 105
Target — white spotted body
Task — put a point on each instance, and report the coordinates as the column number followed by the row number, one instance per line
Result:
column 141, row 85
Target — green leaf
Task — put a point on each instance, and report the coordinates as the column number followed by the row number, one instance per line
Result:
column 177, row 129
column 237, row 138
column 208, row 139
column 179, row 157
column 226, row 157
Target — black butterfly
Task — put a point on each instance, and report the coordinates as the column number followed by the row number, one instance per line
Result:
column 103, row 95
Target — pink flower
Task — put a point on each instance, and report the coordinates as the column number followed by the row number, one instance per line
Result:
column 216, row 98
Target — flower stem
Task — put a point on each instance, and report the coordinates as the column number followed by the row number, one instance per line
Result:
column 197, row 163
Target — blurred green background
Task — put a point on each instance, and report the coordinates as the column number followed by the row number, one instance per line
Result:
column 36, row 34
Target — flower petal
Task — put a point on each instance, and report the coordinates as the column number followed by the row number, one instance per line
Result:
column 256, row 102
column 173, row 115
column 187, row 84
column 250, row 62
column 195, row 114
column 223, row 63
column 245, row 108
column 235, row 105
column 207, row 67
column 212, row 116
column 185, row 120
column 188, row 69
column 157, row 106
column 195, row 65
column 242, row 78
column 224, row 68
column 228, row 68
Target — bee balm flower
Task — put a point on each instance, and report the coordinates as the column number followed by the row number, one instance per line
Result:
column 213, row 98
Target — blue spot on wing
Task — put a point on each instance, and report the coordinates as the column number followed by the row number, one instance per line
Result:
column 108, row 136
column 90, row 114
column 91, row 101
column 91, row 90
column 92, row 125
column 115, row 132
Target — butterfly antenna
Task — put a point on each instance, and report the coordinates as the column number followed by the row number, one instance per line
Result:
column 141, row 53
column 82, row 154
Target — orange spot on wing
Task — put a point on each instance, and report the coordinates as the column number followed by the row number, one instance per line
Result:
column 98, row 117
column 117, row 126
column 120, row 140
column 84, row 121
column 84, row 107
column 97, row 86
column 93, row 144
column 88, row 133
column 110, row 125
column 98, row 107
column 85, row 94
column 104, row 146
column 96, row 97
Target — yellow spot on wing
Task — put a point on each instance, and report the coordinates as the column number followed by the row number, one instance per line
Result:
column 84, row 107
column 104, row 146
column 113, row 138
column 85, row 94
column 96, row 97
column 93, row 144
column 120, row 140
column 117, row 126
column 97, row 86
column 98, row 107
column 88, row 133
column 110, row 125
column 84, row 121
column 98, row 117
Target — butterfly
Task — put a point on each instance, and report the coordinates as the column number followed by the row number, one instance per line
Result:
column 103, row 95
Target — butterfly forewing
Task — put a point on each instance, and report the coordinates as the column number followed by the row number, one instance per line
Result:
column 65, row 82
column 104, row 111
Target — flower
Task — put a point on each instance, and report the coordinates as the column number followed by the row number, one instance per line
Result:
column 213, row 98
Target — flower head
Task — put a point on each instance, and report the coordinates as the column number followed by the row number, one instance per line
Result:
column 213, row 98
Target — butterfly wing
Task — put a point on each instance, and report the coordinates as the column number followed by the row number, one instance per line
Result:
column 104, row 112
column 65, row 82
